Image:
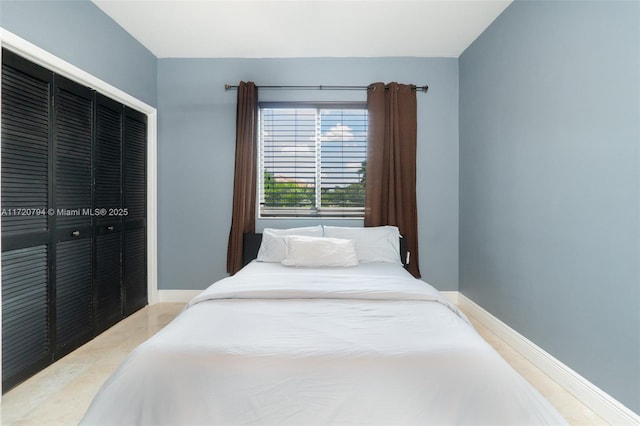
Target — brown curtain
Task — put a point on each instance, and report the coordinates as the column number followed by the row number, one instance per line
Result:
column 391, row 163
column 243, row 217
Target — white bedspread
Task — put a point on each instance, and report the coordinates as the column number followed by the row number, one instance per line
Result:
column 367, row 345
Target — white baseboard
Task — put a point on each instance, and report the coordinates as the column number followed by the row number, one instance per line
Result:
column 612, row 411
column 452, row 296
column 177, row 296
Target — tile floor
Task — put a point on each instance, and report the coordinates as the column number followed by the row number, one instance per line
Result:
column 60, row 394
column 571, row 408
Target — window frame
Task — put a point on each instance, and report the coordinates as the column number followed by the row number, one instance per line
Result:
column 316, row 211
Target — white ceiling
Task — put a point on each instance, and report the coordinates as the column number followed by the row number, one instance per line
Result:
column 303, row 28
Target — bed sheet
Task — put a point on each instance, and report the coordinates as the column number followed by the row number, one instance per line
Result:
column 337, row 346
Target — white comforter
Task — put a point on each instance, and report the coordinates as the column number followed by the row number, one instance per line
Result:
column 272, row 345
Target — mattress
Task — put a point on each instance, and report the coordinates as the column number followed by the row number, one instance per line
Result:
column 271, row 345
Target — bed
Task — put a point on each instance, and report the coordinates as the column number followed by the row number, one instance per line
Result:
column 318, row 345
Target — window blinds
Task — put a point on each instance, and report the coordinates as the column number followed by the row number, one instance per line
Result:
column 312, row 160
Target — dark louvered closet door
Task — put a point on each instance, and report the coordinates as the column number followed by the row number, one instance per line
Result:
column 73, row 202
column 135, row 247
column 26, row 257
column 74, row 253
column 108, row 202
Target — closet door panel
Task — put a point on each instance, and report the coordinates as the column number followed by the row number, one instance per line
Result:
column 135, row 196
column 26, row 346
column 135, row 270
column 108, row 158
column 108, row 198
column 25, row 146
column 108, row 280
column 27, row 330
column 73, row 143
column 73, row 154
column 135, row 161
column 74, row 316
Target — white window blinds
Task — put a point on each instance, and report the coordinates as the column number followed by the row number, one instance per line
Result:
column 312, row 160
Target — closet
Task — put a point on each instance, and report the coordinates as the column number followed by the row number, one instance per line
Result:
column 73, row 201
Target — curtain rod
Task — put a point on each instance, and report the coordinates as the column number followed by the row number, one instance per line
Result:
column 322, row 87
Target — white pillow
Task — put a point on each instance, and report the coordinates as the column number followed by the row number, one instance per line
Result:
column 319, row 252
column 373, row 244
column 272, row 248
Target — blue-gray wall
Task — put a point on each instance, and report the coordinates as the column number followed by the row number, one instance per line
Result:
column 81, row 34
column 196, row 151
column 550, row 182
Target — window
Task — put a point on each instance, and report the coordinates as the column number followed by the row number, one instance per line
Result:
column 312, row 159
